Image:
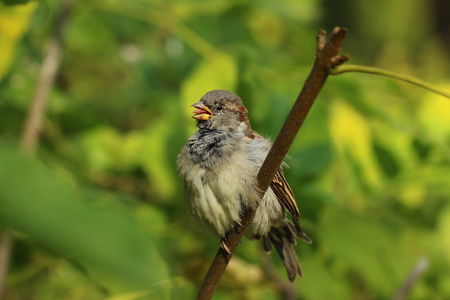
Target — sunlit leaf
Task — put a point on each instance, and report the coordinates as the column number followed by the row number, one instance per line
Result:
column 154, row 158
column 14, row 21
column 351, row 134
column 434, row 117
column 219, row 73
column 267, row 28
column 105, row 149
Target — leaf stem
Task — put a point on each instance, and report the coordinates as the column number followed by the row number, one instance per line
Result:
column 377, row 71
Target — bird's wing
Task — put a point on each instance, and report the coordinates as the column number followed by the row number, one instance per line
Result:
column 281, row 188
column 279, row 184
column 284, row 194
column 286, row 198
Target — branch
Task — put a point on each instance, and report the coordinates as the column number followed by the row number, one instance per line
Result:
column 376, row 71
column 326, row 57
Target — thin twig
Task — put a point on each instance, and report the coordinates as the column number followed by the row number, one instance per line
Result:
column 49, row 68
column 420, row 268
column 5, row 255
column 326, row 57
column 377, row 71
column 37, row 109
column 36, row 113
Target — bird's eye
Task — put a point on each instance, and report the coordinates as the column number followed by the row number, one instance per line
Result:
column 219, row 107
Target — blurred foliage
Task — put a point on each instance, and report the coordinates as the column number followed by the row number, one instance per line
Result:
column 99, row 211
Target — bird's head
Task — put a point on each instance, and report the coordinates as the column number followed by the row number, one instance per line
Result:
column 220, row 110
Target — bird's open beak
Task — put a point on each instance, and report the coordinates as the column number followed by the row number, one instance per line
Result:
column 202, row 113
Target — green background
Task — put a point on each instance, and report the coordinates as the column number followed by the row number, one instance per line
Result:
column 98, row 211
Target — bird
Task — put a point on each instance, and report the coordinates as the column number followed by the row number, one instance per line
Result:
column 219, row 164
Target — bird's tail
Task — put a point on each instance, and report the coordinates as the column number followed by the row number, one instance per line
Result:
column 284, row 240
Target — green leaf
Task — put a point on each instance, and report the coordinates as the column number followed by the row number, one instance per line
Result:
column 386, row 160
column 311, row 161
column 319, row 283
column 368, row 247
column 37, row 202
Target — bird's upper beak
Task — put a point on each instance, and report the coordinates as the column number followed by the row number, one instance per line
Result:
column 202, row 113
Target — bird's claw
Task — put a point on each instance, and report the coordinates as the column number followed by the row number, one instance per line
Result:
column 224, row 246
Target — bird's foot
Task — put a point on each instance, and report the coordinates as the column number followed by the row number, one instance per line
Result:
column 224, row 246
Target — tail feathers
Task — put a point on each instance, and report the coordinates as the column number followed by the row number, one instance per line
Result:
column 284, row 240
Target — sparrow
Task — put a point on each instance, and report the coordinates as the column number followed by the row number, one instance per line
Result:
column 219, row 164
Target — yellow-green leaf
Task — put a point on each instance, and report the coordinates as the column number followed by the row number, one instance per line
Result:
column 14, row 21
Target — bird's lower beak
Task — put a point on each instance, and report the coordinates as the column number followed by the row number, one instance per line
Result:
column 202, row 113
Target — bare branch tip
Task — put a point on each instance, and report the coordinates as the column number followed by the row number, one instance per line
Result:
column 321, row 39
column 339, row 30
column 337, row 35
column 322, row 32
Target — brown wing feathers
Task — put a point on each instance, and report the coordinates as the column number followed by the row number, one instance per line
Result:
column 284, row 194
column 286, row 198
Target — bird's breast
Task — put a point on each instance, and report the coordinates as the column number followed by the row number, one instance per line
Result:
column 210, row 148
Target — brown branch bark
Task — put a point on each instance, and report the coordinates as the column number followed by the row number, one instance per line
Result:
column 36, row 113
column 327, row 56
